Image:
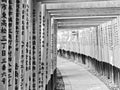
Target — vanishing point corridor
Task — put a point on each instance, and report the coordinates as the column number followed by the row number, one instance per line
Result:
column 59, row 44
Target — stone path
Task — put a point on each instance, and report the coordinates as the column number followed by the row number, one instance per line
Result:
column 76, row 77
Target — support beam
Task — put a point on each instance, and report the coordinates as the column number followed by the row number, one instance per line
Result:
column 86, row 12
column 77, row 5
column 77, row 15
column 76, row 27
column 80, row 23
column 82, row 17
column 111, row 10
column 69, row 1
column 70, row 29
column 85, row 19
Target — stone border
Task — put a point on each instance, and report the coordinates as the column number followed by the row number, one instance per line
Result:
column 59, row 81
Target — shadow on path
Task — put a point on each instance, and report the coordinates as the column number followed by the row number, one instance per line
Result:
column 59, row 83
